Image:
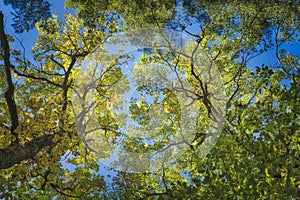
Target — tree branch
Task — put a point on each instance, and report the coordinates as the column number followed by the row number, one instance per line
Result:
column 9, row 94
column 15, row 153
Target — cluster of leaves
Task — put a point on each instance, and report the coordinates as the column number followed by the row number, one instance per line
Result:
column 27, row 13
column 134, row 13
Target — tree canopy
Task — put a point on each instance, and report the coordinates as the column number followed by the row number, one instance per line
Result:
column 43, row 154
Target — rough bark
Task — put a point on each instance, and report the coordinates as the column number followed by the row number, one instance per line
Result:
column 15, row 153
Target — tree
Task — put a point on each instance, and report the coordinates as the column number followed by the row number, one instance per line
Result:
column 37, row 129
column 257, row 155
column 258, row 152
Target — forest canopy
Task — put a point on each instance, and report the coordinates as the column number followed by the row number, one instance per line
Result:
column 252, row 46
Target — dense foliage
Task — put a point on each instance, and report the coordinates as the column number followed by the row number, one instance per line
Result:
column 257, row 155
